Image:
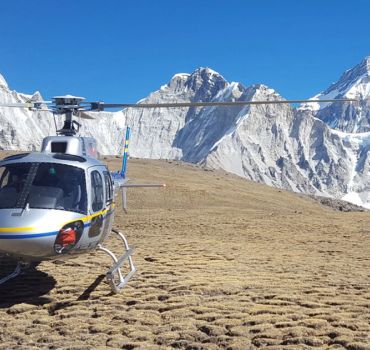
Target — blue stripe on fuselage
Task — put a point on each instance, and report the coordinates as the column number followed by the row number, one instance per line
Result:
column 46, row 234
column 29, row 235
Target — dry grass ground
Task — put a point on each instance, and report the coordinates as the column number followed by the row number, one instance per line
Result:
column 223, row 263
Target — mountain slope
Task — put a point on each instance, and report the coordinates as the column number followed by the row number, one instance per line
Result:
column 275, row 145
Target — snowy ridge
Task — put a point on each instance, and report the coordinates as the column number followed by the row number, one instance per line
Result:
column 348, row 117
column 354, row 83
column 278, row 145
column 22, row 129
column 3, row 82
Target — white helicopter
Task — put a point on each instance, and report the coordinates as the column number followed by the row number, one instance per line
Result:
column 60, row 201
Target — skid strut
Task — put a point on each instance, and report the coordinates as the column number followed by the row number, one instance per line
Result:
column 16, row 272
column 114, row 275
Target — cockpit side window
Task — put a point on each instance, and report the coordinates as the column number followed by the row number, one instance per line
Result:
column 97, row 191
column 108, row 187
column 4, row 177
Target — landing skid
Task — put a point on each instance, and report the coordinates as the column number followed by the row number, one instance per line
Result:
column 116, row 279
column 114, row 275
column 15, row 273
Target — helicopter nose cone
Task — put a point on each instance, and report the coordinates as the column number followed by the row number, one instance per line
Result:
column 30, row 233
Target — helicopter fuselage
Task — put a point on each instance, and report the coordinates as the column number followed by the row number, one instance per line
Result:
column 53, row 205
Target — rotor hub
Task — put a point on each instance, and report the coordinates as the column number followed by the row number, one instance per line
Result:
column 68, row 106
column 67, row 103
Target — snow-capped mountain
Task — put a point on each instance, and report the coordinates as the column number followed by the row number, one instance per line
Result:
column 349, row 117
column 275, row 144
column 22, row 129
column 352, row 123
column 163, row 133
column 358, row 187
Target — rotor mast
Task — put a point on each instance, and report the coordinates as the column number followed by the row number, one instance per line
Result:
column 68, row 106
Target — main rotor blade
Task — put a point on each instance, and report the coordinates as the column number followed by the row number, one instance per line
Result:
column 84, row 115
column 18, row 105
column 31, row 104
column 102, row 105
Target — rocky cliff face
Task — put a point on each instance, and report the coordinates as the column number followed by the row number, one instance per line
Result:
column 22, row 129
column 164, row 132
column 275, row 144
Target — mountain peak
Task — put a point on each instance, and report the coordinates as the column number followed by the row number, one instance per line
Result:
column 206, row 70
column 207, row 75
column 261, row 87
column 353, row 83
column 202, row 75
column 354, row 74
column 181, row 76
column 206, row 83
column 263, row 92
column 365, row 65
column 3, row 81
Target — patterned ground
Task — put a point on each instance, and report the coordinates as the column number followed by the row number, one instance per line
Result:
column 222, row 264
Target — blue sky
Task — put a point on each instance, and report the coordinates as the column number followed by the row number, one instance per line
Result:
column 119, row 51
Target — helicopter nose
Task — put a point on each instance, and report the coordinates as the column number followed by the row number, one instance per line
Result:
column 22, row 247
column 35, row 239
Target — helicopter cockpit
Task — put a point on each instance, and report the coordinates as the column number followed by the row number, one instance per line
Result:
column 43, row 186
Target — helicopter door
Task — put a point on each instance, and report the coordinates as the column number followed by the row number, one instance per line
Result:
column 97, row 203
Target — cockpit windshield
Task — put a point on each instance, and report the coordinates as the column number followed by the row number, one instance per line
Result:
column 44, row 186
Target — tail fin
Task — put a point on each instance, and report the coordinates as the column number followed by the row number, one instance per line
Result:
column 125, row 152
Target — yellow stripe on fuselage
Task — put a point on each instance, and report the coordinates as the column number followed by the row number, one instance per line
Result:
column 16, row 229
column 90, row 217
column 84, row 219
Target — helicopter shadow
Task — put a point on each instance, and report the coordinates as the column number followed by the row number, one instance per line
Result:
column 56, row 306
column 31, row 286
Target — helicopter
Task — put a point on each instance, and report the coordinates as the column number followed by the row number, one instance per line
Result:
column 61, row 201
